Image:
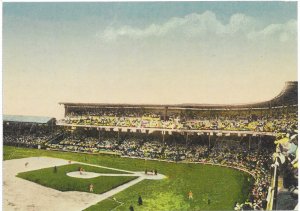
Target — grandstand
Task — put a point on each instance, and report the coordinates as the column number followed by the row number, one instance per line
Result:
column 239, row 136
column 242, row 119
column 28, row 131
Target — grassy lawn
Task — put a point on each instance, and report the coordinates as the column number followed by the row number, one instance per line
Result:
column 107, row 204
column 223, row 186
column 60, row 181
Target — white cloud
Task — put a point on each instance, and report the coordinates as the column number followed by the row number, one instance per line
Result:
column 205, row 25
column 241, row 23
column 278, row 32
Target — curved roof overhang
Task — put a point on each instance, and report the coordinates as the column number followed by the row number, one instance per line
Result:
column 287, row 97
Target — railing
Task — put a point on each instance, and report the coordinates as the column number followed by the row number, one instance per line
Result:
column 272, row 193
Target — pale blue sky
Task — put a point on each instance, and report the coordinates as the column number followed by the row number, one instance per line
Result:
column 172, row 52
column 148, row 12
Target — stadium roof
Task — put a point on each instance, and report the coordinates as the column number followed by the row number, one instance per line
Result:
column 27, row 119
column 288, row 96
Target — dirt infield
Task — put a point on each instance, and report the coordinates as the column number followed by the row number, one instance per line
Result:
column 87, row 175
column 20, row 194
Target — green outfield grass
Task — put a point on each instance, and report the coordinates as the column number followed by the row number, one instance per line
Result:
column 60, row 181
column 223, row 186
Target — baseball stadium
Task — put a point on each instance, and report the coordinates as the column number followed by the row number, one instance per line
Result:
column 149, row 105
column 155, row 157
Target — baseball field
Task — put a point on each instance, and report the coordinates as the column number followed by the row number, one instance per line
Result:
column 213, row 187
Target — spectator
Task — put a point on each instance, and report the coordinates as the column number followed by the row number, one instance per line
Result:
column 140, row 201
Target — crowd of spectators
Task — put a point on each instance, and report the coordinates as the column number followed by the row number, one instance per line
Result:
column 30, row 140
column 264, row 122
column 31, row 135
column 286, row 161
column 150, row 121
column 281, row 123
column 84, row 144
